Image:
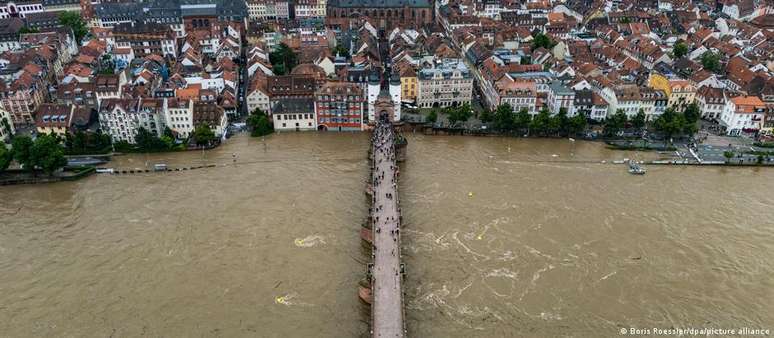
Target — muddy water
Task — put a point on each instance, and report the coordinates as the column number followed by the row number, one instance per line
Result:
column 504, row 238
column 504, row 243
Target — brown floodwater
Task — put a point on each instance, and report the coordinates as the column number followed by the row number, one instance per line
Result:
column 504, row 237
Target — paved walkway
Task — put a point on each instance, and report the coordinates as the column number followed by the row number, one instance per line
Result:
column 387, row 307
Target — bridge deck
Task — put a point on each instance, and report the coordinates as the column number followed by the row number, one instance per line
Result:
column 387, row 308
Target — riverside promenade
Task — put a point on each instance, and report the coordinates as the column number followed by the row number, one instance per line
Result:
column 386, row 277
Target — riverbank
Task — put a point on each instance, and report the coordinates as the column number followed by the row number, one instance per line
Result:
column 20, row 176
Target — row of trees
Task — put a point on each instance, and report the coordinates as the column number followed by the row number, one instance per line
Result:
column 671, row 123
column 147, row 142
column 544, row 124
column 455, row 114
column 43, row 153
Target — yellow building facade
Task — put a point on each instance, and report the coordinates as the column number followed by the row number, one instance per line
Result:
column 680, row 93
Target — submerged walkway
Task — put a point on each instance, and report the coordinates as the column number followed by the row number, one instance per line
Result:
column 387, row 307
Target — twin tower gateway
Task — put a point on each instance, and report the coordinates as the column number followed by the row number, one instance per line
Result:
column 384, row 97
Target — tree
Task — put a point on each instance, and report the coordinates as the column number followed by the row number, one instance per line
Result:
column 5, row 157
column 148, row 142
column 203, row 135
column 340, row 50
column 503, row 118
column 679, row 50
column 541, row 123
column 283, row 59
column 259, row 123
column 671, row 123
column 711, row 61
column 692, row 113
column 73, row 21
column 486, row 116
column 525, row 60
column 542, row 40
column 459, row 114
column 577, row 124
column 728, row 155
column 26, row 30
column 47, row 154
column 432, row 117
column 21, row 147
column 638, row 121
column 523, row 118
column 615, row 123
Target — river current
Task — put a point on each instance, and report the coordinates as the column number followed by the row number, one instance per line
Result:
column 504, row 238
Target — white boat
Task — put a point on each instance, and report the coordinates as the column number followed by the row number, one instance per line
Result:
column 105, row 170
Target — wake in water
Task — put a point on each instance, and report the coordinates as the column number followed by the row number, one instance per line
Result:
column 288, row 300
column 309, row 241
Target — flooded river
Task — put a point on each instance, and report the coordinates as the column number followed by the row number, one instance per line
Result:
column 504, row 237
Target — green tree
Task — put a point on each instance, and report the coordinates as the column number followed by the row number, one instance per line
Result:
column 259, row 123
column 679, row 50
column 26, row 30
column 47, row 154
column 21, row 147
column 711, row 61
column 523, row 118
column 615, row 123
column 541, row 123
column 203, row 135
column 728, row 155
column 283, row 59
column 486, row 116
column 148, row 142
column 432, row 117
column 542, row 40
column 671, row 123
column 638, row 121
column 503, row 118
column 340, row 50
column 74, row 21
column 692, row 113
column 5, row 157
column 459, row 114
column 577, row 124
column 525, row 60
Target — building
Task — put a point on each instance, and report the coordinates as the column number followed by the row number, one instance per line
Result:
column 22, row 98
column 295, row 114
column 290, row 86
column 409, row 85
column 743, row 115
column 120, row 118
column 258, row 96
column 211, row 115
column 680, row 92
column 146, row 38
column 448, row 83
column 61, row 119
column 6, row 127
column 340, row 106
column 20, row 9
column 560, row 97
column 310, row 8
column 518, row 94
column 711, row 102
column 385, row 14
column 9, row 33
column 178, row 116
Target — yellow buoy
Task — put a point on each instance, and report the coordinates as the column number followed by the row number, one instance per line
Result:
column 470, row 194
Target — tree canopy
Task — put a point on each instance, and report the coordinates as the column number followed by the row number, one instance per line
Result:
column 74, row 21
column 283, row 59
column 203, row 135
column 711, row 61
column 259, row 123
column 432, row 117
column 5, row 157
column 47, row 154
column 542, row 40
column 672, row 123
column 458, row 114
column 21, row 147
column 679, row 50
column 638, row 121
column 615, row 123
